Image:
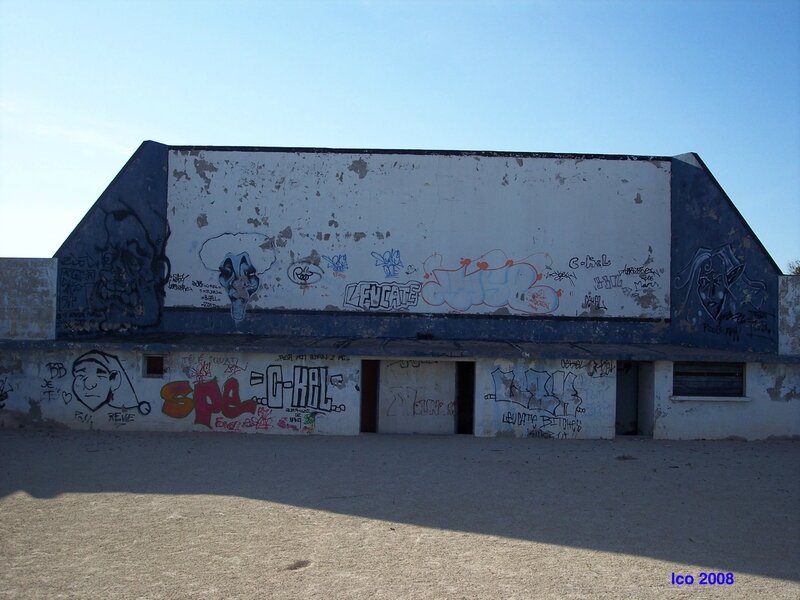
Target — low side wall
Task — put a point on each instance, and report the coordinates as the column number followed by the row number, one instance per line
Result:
column 28, row 298
column 545, row 398
column 771, row 409
column 253, row 393
column 789, row 316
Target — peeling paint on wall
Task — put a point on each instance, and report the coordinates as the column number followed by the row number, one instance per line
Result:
column 27, row 298
column 789, row 316
column 427, row 204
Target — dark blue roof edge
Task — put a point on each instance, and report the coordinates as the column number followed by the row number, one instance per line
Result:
column 731, row 204
column 407, row 348
column 107, row 189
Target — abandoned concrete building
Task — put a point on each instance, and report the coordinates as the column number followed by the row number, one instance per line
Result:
column 299, row 290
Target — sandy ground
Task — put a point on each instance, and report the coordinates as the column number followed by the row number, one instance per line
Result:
column 131, row 515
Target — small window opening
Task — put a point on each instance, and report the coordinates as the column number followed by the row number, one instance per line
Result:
column 153, row 365
column 715, row 380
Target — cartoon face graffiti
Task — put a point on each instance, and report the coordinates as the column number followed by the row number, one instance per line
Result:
column 100, row 380
column 720, row 282
column 238, row 276
column 238, row 259
column 95, row 382
column 713, row 282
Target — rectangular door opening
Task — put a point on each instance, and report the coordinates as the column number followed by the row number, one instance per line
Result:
column 465, row 398
column 369, row 395
column 635, row 400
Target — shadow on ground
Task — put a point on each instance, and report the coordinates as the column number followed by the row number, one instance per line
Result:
column 726, row 506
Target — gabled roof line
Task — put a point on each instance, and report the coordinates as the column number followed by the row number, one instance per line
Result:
column 422, row 152
column 732, row 206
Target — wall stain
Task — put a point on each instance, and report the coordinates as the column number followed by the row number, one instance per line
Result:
column 638, row 198
column 202, row 220
column 360, row 167
column 776, row 392
column 203, row 167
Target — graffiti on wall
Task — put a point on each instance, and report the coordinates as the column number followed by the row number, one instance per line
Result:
column 100, row 380
column 547, row 403
column 306, row 388
column 287, row 397
column 337, row 264
column 492, row 280
column 96, row 385
column 239, row 259
column 716, row 283
column 373, row 295
column 5, row 391
column 407, row 402
column 389, row 261
column 119, row 286
column 304, row 273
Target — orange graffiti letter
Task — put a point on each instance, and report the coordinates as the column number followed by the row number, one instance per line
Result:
column 177, row 397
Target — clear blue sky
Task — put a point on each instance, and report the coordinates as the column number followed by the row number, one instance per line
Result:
column 82, row 83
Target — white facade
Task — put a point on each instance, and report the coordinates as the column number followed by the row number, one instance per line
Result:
column 769, row 409
column 419, row 233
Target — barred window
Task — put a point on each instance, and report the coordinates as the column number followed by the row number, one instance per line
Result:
column 711, row 379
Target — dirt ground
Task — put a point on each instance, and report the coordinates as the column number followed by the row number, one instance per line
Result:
column 132, row 515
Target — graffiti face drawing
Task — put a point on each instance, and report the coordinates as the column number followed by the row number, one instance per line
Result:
column 713, row 283
column 238, row 276
column 99, row 380
column 238, row 259
column 720, row 282
column 95, row 380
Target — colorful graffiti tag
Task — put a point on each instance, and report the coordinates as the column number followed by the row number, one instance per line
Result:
column 282, row 397
column 492, row 280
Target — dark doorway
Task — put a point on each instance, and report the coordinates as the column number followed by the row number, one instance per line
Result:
column 465, row 397
column 369, row 395
column 635, row 400
column 627, row 419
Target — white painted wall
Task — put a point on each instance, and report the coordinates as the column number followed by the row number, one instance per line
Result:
column 252, row 393
column 420, row 233
column 417, row 397
column 545, row 398
column 789, row 315
column 28, row 298
column 772, row 407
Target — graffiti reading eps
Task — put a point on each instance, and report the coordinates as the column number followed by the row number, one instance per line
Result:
column 220, row 406
column 206, row 399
